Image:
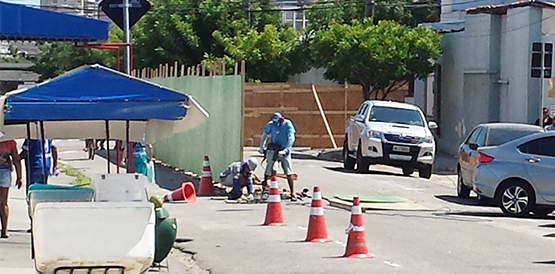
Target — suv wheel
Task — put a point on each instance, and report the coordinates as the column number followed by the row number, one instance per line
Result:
column 407, row 171
column 348, row 162
column 362, row 163
column 425, row 172
column 462, row 190
column 517, row 198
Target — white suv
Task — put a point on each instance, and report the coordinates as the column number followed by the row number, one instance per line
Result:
column 389, row 133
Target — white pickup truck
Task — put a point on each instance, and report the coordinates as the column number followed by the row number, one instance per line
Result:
column 389, row 133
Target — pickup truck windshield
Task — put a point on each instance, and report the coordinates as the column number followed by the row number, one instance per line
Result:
column 395, row 115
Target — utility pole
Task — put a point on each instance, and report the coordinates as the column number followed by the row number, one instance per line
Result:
column 126, row 51
column 245, row 4
column 369, row 9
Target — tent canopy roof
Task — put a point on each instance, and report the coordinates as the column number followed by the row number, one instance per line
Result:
column 95, row 93
column 19, row 22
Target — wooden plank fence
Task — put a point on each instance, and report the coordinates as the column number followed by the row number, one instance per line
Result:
column 296, row 101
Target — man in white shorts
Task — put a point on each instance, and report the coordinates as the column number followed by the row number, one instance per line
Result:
column 282, row 138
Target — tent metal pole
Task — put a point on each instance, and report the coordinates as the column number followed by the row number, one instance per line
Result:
column 43, row 145
column 28, row 158
column 127, row 151
column 107, row 123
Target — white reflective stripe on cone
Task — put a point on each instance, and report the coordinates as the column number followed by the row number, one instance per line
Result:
column 356, row 210
column 316, row 211
column 316, row 196
column 170, row 198
column 273, row 198
column 206, row 173
column 205, row 163
column 351, row 227
column 274, row 184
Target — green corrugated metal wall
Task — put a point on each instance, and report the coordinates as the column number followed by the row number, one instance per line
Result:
column 219, row 136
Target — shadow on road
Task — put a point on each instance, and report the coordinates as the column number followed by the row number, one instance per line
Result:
column 498, row 215
column 544, row 262
column 301, row 156
column 370, row 172
column 457, row 200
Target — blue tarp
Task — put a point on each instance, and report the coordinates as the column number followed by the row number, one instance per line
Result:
column 95, row 93
column 18, row 22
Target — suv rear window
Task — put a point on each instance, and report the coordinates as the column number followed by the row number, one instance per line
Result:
column 499, row 136
column 396, row 115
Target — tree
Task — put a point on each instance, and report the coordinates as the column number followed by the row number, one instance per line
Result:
column 59, row 57
column 378, row 57
column 189, row 31
column 271, row 55
column 407, row 12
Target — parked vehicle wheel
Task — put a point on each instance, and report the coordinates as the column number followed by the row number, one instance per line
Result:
column 542, row 211
column 362, row 163
column 407, row 171
column 425, row 172
column 462, row 190
column 348, row 162
column 517, row 198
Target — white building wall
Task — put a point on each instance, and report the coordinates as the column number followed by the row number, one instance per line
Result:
column 521, row 97
column 486, row 73
column 451, row 118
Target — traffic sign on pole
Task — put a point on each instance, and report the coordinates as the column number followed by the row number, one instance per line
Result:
column 114, row 10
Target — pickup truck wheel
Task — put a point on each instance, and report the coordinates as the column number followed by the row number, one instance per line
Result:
column 362, row 163
column 425, row 172
column 348, row 162
column 407, row 171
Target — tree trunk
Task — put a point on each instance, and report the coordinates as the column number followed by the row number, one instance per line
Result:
column 365, row 91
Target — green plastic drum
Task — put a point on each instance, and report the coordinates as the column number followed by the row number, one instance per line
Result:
column 165, row 232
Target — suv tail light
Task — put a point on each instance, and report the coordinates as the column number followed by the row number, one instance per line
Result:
column 484, row 158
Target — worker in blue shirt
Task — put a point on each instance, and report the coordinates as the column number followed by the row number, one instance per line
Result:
column 282, row 137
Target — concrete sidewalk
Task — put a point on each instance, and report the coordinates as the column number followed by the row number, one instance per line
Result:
column 15, row 252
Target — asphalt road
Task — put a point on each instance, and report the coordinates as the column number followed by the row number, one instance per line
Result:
column 454, row 236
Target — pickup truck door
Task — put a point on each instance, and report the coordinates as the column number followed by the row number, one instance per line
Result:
column 359, row 124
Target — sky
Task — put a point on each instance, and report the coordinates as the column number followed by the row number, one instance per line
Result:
column 25, row 2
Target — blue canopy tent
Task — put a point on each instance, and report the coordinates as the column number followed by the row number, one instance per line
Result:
column 95, row 101
column 18, row 22
column 95, row 93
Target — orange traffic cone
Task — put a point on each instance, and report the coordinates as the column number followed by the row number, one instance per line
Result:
column 356, row 242
column 273, row 209
column 185, row 192
column 316, row 223
column 206, row 187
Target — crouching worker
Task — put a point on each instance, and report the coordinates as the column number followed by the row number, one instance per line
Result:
column 240, row 175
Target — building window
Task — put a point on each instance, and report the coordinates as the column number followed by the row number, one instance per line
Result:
column 296, row 18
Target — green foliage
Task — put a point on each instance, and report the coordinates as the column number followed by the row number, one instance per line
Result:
column 57, row 58
column 181, row 30
column 348, row 12
column 376, row 56
column 271, row 55
column 187, row 31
